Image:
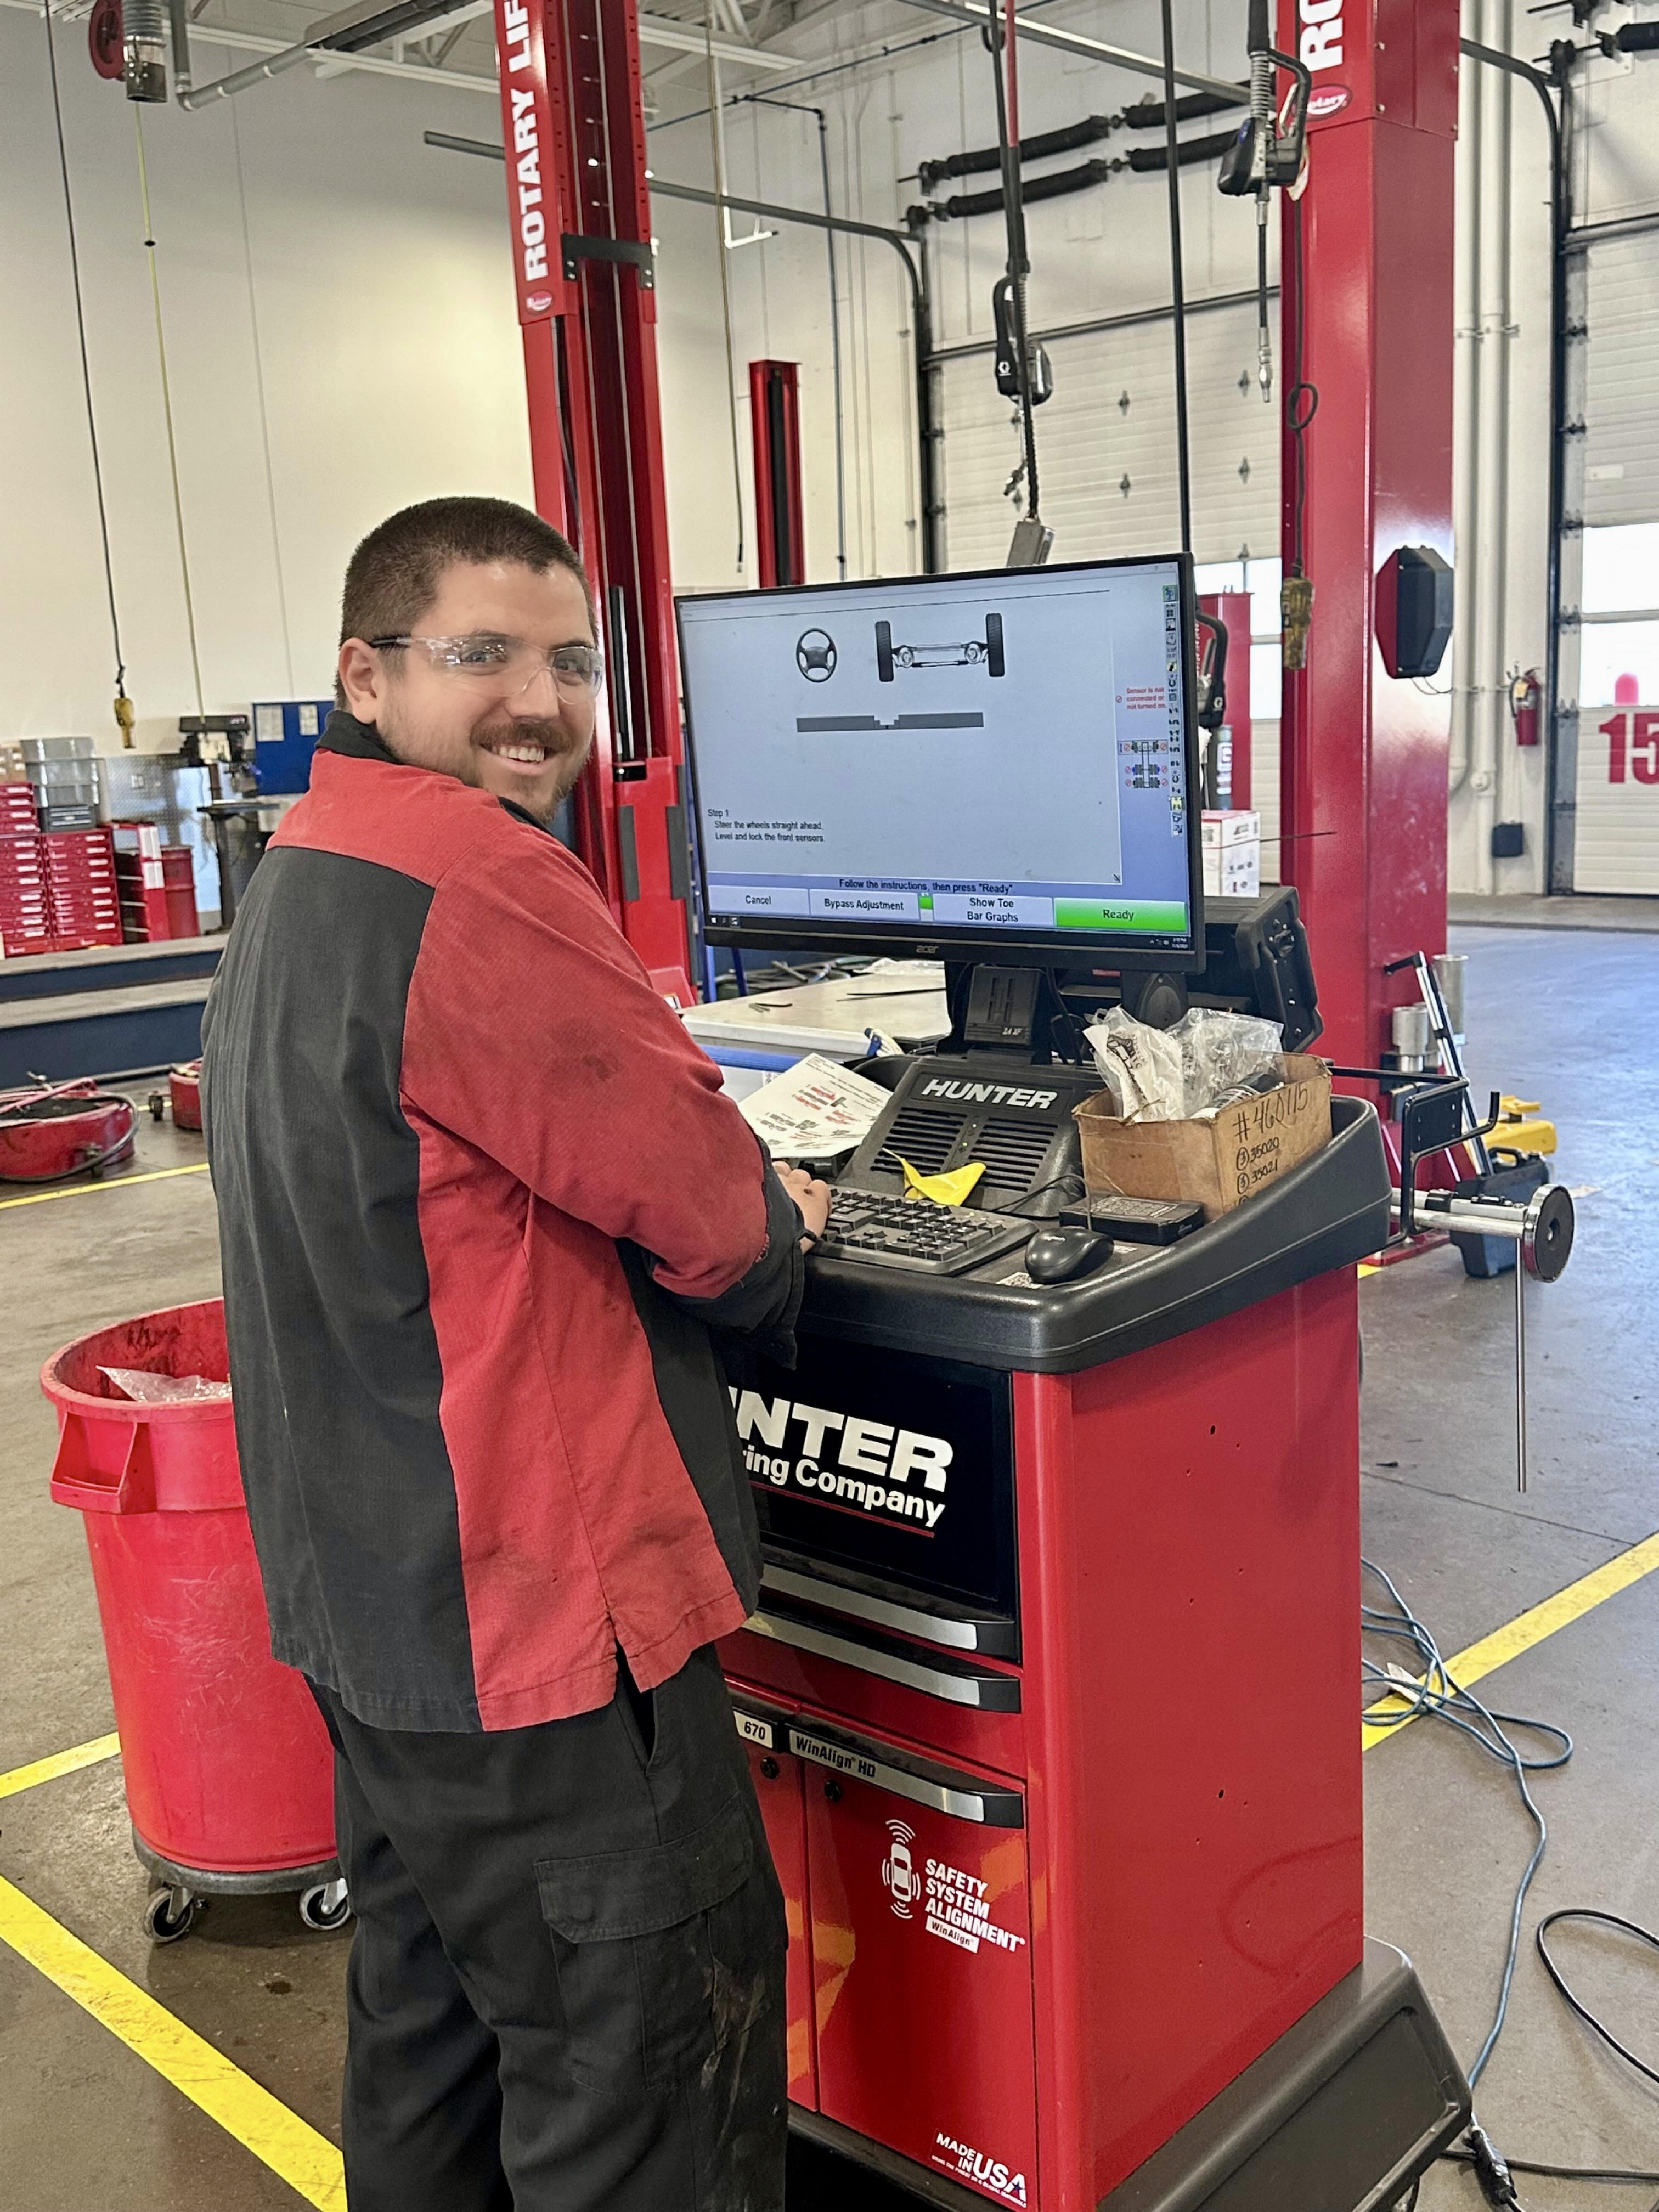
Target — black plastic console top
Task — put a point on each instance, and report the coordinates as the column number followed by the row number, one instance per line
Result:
column 1329, row 1213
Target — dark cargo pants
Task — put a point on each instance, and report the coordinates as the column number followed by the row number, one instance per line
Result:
column 565, row 1992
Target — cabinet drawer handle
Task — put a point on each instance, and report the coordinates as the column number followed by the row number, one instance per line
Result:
column 964, row 1798
column 960, row 1686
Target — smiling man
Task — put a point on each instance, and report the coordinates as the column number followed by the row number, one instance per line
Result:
column 483, row 1209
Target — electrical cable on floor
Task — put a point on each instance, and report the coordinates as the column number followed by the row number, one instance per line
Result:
column 1433, row 1692
column 166, row 406
column 124, row 713
column 1628, row 2175
column 1430, row 1690
column 1597, row 2027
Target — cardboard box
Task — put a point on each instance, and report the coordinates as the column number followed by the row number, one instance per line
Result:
column 1217, row 1162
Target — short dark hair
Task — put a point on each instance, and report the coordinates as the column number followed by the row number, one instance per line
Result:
column 393, row 576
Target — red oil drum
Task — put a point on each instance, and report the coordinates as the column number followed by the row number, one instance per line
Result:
column 185, row 1094
column 62, row 1130
column 229, row 1772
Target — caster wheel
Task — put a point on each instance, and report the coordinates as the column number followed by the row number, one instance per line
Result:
column 170, row 1914
column 158, row 1106
column 326, row 1906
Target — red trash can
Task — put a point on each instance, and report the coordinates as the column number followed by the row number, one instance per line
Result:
column 229, row 1772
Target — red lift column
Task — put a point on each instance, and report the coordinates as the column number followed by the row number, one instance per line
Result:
column 574, row 129
column 1364, row 755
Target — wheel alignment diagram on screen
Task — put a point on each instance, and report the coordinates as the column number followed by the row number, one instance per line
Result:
column 976, row 652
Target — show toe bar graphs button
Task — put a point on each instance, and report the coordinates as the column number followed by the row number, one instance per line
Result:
column 995, row 909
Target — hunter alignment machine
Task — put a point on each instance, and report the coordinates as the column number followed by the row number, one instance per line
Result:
column 1073, row 1849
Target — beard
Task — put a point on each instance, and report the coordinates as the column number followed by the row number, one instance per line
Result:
column 567, row 756
column 463, row 753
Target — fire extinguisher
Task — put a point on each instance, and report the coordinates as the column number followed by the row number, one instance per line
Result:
column 1526, row 697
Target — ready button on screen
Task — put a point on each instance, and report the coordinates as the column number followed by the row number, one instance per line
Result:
column 1157, row 917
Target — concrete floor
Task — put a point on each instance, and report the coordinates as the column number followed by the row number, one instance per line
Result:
column 86, row 2126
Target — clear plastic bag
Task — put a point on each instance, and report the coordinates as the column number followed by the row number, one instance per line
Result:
column 1140, row 1067
column 148, row 1389
column 1174, row 1074
column 1224, row 1054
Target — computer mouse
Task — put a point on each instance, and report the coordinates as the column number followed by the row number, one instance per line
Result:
column 1059, row 1255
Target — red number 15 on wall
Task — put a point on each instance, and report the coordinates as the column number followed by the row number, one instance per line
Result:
column 1633, row 741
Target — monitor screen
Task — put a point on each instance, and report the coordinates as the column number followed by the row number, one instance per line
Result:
column 959, row 764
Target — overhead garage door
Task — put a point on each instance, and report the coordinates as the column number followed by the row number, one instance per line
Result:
column 1106, row 447
column 1610, row 662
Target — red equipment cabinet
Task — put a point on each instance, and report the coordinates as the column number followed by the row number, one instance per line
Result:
column 1081, row 1837
column 922, row 1983
column 777, row 1776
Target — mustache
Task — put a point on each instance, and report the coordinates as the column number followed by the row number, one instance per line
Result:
column 553, row 736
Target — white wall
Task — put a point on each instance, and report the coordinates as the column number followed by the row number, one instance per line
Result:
column 378, row 270
column 780, row 299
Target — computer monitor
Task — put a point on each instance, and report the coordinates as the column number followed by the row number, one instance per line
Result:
column 995, row 766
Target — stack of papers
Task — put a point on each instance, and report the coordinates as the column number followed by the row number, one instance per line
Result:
column 816, row 1109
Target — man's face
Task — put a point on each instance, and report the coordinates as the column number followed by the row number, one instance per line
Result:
column 523, row 741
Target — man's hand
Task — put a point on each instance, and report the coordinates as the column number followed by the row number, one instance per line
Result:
column 813, row 1198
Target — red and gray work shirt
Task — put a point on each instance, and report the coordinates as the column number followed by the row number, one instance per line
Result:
column 482, row 1202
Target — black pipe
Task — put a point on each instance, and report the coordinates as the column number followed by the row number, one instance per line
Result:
column 1145, row 115
column 1560, row 225
column 983, row 159
column 1148, row 114
column 1060, row 182
column 1054, row 187
column 1144, row 158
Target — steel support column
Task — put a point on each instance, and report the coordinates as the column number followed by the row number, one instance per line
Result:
column 1364, row 755
column 573, row 131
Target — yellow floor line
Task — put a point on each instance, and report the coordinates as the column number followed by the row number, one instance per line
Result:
column 292, row 2148
column 61, row 1762
column 1531, row 1628
column 106, row 1182
column 305, row 2159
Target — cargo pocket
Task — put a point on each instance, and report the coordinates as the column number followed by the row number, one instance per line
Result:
column 637, row 1966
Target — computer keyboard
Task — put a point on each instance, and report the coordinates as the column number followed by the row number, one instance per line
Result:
column 879, row 1229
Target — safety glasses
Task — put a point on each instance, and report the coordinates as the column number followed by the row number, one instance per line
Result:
column 507, row 665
